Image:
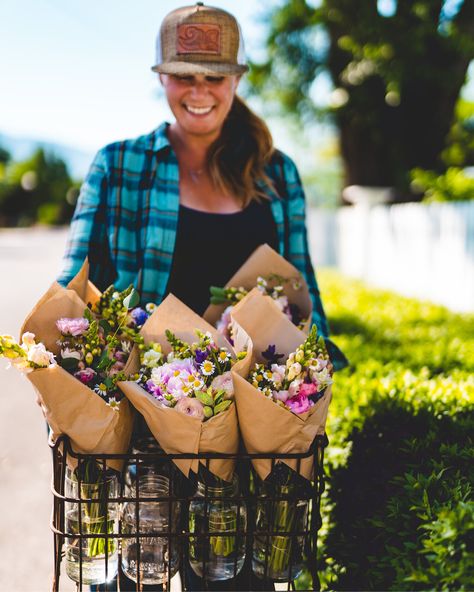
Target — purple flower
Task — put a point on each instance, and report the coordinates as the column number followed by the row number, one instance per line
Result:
column 200, row 355
column 153, row 389
column 299, row 404
column 139, row 316
column 74, row 327
column 86, row 376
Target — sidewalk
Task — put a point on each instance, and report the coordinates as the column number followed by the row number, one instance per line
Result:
column 29, row 262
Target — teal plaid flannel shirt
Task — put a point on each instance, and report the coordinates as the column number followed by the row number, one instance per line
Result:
column 127, row 212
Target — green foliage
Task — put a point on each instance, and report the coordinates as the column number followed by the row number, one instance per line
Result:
column 399, row 502
column 393, row 102
column 453, row 185
column 38, row 189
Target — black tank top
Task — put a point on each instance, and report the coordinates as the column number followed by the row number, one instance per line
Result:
column 210, row 248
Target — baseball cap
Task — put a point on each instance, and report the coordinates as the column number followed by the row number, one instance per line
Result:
column 200, row 39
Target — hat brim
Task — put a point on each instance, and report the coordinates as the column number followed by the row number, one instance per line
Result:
column 208, row 69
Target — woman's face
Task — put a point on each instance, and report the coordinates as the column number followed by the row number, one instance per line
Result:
column 200, row 103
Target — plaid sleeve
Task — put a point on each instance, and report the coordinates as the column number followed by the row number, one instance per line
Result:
column 299, row 256
column 88, row 231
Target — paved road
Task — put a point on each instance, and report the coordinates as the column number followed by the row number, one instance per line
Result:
column 29, row 262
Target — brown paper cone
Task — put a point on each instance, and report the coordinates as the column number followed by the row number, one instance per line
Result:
column 265, row 426
column 72, row 408
column 180, row 434
column 59, row 302
column 176, row 432
column 265, row 261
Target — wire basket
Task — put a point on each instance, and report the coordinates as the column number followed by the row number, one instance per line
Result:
column 253, row 534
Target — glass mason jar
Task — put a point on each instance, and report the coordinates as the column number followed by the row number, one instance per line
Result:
column 152, row 552
column 94, row 557
column 280, row 557
column 222, row 556
column 146, row 446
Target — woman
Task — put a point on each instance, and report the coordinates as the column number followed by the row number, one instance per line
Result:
column 182, row 208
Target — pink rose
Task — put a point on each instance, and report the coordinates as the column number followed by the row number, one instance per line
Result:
column 281, row 395
column 299, row 404
column 74, row 327
column 224, row 382
column 191, row 407
column 307, row 390
column 85, row 376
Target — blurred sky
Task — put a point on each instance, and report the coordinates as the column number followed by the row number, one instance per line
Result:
column 79, row 72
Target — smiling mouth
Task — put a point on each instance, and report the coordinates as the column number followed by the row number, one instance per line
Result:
column 198, row 110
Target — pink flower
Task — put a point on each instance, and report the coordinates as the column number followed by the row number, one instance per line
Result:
column 116, row 368
column 294, row 388
column 85, row 376
column 74, row 327
column 307, row 389
column 191, row 407
column 299, row 404
column 224, row 322
column 224, row 382
column 281, row 395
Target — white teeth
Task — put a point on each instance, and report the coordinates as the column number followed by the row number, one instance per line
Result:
column 198, row 110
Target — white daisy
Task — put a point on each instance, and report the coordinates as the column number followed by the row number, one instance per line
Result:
column 100, row 389
column 207, row 368
column 112, row 402
column 223, row 356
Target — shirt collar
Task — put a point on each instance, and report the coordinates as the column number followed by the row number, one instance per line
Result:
column 159, row 138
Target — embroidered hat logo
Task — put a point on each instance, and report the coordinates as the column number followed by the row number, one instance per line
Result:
column 202, row 38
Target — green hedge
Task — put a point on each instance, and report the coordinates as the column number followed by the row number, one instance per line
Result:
column 399, row 510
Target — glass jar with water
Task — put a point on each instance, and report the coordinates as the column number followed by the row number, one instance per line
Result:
column 89, row 512
column 217, row 509
column 151, row 553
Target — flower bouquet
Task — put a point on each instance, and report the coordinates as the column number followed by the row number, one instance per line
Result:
column 282, row 391
column 183, row 387
column 90, row 335
column 273, row 276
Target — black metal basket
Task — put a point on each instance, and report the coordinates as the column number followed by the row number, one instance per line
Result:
column 254, row 499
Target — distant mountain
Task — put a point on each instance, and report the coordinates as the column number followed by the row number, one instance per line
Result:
column 78, row 161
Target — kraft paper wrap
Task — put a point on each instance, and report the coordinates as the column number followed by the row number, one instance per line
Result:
column 265, row 261
column 177, row 433
column 265, row 426
column 69, row 406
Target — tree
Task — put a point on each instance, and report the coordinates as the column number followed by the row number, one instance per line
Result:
column 397, row 78
column 36, row 190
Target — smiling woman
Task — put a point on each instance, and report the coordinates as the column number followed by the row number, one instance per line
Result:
column 183, row 207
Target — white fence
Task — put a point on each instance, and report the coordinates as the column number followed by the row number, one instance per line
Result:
column 420, row 250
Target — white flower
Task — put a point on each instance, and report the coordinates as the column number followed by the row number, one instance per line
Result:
column 28, row 339
column 207, row 368
column 294, row 388
column 116, row 295
column 278, row 374
column 261, row 282
column 151, row 358
column 126, row 346
column 223, row 356
column 40, row 356
column 281, row 302
column 294, row 370
column 71, row 353
column 112, row 402
column 323, row 377
column 150, row 307
column 100, row 389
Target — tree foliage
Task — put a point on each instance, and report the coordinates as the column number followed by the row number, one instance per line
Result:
column 38, row 189
column 397, row 78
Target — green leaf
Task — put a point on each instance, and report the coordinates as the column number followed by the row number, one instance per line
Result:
column 105, row 326
column 222, row 406
column 132, row 299
column 205, row 398
column 69, row 363
column 208, row 411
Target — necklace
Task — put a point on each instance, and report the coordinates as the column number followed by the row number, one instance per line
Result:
column 194, row 175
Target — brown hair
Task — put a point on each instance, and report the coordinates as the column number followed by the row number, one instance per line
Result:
column 237, row 159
